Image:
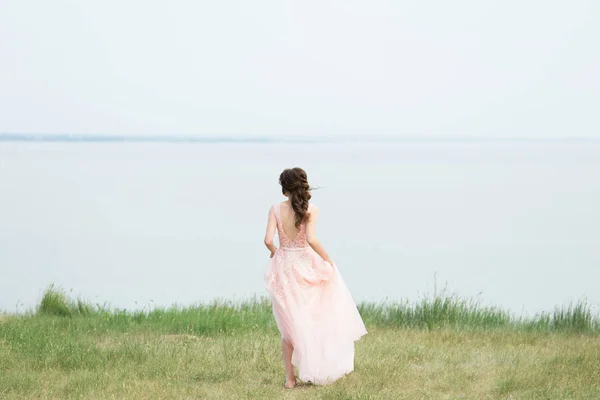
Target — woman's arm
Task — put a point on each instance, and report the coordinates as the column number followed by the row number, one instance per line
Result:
column 271, row 225
column 311, row 235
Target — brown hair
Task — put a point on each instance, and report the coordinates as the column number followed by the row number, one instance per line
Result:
column 294, row 182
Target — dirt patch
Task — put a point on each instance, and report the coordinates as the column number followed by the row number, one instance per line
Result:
column 116, row 341
column 179, row 337
column 109, row 343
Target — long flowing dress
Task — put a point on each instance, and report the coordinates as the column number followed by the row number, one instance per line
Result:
column 313, row 308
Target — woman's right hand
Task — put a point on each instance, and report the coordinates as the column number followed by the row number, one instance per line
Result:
column 329, row 260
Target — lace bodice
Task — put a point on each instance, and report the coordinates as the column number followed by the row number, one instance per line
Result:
column 299, row 241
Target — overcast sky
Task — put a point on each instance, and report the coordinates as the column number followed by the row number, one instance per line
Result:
column 509, row 68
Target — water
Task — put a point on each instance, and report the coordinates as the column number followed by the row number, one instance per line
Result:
column 514, row 224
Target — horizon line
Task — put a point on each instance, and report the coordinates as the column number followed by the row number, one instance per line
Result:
column 77, row 137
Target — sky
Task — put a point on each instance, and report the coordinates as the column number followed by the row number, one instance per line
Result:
column 473, row 68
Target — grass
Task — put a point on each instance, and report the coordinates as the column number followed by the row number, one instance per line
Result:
column 438, row 348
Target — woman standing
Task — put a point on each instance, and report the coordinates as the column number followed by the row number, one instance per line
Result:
column 315, row 313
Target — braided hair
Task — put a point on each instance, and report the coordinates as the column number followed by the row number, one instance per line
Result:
column 294, row 182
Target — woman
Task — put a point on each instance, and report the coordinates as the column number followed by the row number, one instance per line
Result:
column 315, row 313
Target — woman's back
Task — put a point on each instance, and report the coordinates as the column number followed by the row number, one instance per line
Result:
column 289, row 235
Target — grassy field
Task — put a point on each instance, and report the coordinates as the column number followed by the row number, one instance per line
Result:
column 438, row 348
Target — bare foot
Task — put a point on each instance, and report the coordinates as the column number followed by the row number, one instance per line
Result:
column 289, row 384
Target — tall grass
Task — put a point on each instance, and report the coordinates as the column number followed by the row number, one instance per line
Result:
column 429, row 313
column 575, row 317
column 56, row 302
column 435, row 312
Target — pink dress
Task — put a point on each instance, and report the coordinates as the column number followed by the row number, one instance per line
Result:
column 313, row 309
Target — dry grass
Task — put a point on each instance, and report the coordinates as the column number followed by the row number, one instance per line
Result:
column 439, row 348
column 390, row 364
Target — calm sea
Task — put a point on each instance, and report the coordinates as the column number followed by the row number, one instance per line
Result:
column 512, row 224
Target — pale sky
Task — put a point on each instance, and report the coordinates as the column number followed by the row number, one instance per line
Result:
column 509, row 68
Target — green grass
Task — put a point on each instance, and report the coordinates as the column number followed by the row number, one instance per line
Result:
column 56, row 302
column 442, row 311
column 437, row 348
